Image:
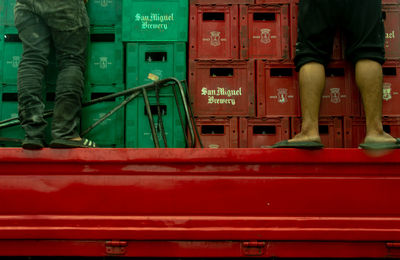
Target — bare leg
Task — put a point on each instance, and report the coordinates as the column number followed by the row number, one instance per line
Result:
column 369, row 81
column 312, row 84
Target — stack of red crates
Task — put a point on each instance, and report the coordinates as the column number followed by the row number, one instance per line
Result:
column 354, row 127
column 242, row 80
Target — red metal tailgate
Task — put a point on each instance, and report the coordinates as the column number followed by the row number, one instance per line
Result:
column 187, row 200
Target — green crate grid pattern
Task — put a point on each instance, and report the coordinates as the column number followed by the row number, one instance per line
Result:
column 7, row 12
column 158, row 20
column 105, row 64
column 138, row 132
column 163, row 59
column 10, row 54
column 110, row 133
column 9, row 109
column 105, row 12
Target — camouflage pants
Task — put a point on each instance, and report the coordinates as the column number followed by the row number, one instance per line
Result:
column 66, row 27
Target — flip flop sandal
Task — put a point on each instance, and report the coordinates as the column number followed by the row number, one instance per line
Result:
column 63, row 143
column 300, row 145
column 381, row 146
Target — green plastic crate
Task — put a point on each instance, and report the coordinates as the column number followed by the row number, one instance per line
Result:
column 105, row 12
column 90, row 89
column 7, row 12
column 11, row 57
column 138, row 131
column 162, row 20
column 110, row 133
column 9, row 109
column 106, row 57
column 163, row 60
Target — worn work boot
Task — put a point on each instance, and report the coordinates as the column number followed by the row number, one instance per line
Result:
column 32, row 144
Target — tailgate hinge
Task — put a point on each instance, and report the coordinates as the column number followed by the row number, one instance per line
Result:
column 116, row 247
column 253, row 248
column 393, row 249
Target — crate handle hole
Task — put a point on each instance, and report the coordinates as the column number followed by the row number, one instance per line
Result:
column 214, row 16
column 212, row 129
column 156, row 56
column 264, row 130
column 264, row 17
column 221, row 72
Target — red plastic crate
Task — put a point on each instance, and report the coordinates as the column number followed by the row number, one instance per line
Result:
column 391, row 15
column 262, row 132
column 337, row 51
column 218, row 132
column 340, row 97
column 354, row 129
column 391, row 89
column 213, row 32
column 330, row 130
column 222, row 88
column 219, row 2
column 264, row 32
column 277, row 90
column 273, row 1
column 385, row 2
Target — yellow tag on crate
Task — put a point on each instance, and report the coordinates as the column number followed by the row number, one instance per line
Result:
column 153, row 77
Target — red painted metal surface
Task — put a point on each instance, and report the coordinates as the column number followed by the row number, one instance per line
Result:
column 264, row 32
column 213, row 32
column 222, row 88
column 277, row 90
column 263, row 132
column 200, row 202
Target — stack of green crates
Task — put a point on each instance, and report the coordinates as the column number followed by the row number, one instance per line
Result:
column 10, row 56
column 155, row 34
column 105, row 73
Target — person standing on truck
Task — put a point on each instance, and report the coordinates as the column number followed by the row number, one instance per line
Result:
column 65, row 25
column 362, row 24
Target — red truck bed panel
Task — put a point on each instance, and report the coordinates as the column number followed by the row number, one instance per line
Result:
column 180, row 202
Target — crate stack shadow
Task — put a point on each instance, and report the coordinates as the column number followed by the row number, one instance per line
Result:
column 244, row 87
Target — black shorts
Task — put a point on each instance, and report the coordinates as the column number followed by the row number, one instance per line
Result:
column 360, row 21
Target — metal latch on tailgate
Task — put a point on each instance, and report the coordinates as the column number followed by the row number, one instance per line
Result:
column 253, row 248
column 393, row 249
column 116, row 247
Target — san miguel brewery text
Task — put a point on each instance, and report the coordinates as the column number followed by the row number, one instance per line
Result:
column 154, row 20
column 220, row 92
column 390, row 35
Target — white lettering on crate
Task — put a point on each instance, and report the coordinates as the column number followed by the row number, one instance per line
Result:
column 387, row 91
column 390, row 35
column 335, row 96
column 215, row 39
column 211, row 93
column 282, row 96
column 265, row 36
column 15, row 61
column 154, row 21
column 103, row 63
column 103, row 3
